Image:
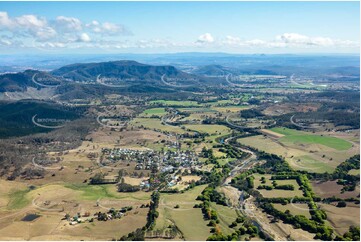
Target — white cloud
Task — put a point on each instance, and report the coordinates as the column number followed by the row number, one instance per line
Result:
column 5, row 21
column 205, row 38
column 63, row 29
column 84, row 37
column 288, row 40
column 107, row 28
column 68, row 23
column 70, row 32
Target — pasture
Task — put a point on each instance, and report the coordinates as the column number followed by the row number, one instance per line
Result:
column 294, row 208
column 174, row 103
column 342, row 218
column 276, row 192
column 153, row 111
column 52, row 201
column 295, row 136
column 301, row 156
column 156, row 124
column 189, row 220
column 226, row 216
column 331, row 188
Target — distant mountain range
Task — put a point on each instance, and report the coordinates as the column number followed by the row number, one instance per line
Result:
column 127, row 73
column 93, row 79
column 128, row 70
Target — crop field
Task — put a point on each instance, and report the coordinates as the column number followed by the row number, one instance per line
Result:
column 313, row 157
column 174, row 103
column 188, row 219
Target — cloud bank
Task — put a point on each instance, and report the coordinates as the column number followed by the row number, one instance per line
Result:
column 66, row 32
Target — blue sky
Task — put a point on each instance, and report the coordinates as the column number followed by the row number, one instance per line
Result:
column 159, row 27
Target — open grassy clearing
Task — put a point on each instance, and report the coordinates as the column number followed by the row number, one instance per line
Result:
column 295, row 209
column 230, row 109
column 331, row 188
column 174, row 103
column 188, row 219
column 354, row 172
column 342, row 218
column 197, row 110
column 224, row 102
column 213, row 130
column 67, row 198
column 308, row 157
column 295, row 136
column 226, row 216
column 18, row 199
column 153, row 111
column 156, row 124
column 276, row 192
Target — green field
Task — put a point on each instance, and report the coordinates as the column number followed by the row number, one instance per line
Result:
column 214, row 130
column 197, row 229
column 277, row 192
column 294, row 136
column 354, row 172
column 197, row 110
column 18, row 199
column 174, row 103
column 154, row 123
column 311, row 157
column 295, row 209
column 226, row 216
column 231, row 108
column 94, row 192
column 154, row 111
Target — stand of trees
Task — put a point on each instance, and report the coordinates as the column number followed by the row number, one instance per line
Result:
column 153, row 213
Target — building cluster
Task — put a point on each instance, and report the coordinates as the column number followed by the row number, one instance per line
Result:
column 166, row 161
column 100, row 216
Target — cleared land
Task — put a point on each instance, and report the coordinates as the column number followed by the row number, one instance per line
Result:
column 156, row 124
column 189, row 220
column 295, row 209
column 277, row 192
column 154, row 111
column 342, row 218
column 308, row 156
column 53, row 201
column 174, row 103
column 331, row 188
column 226, row 216
column 295, row 136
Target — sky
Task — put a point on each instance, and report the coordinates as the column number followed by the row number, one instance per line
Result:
column 169, row 27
